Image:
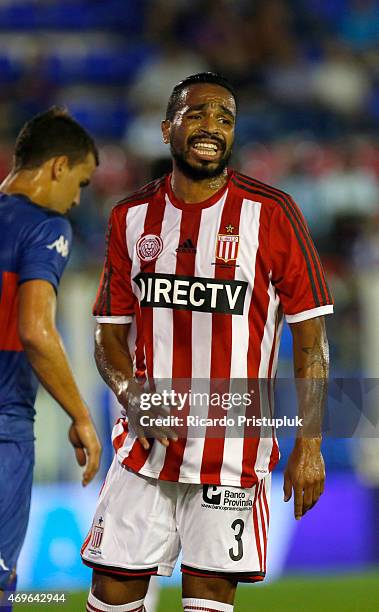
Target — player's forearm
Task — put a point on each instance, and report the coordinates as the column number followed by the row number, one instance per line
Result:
column 48, row 358
column 311, row 368
column 112, row 357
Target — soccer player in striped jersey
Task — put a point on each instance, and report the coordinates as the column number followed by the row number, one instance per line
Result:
column 54, row 159
column 201, row 268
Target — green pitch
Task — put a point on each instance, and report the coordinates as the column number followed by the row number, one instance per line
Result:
column 347, row 593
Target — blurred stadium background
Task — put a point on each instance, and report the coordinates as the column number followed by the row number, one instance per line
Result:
column 307, row 75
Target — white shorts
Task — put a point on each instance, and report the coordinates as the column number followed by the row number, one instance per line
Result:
column 141, row 524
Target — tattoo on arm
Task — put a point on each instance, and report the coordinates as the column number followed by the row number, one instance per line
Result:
column 316, row 361
column 311, row 367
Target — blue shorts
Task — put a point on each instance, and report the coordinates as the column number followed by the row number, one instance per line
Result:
column 16, row 477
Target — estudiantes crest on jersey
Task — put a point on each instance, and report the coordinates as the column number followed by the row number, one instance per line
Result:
column 227, row 247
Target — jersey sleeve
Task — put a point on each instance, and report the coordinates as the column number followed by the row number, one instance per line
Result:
column 45, row 250
column 115, row 300
column 296, row 270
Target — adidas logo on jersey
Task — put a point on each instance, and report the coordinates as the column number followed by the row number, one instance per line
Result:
column 61, row 246
column 186, row 247
column 191, row 293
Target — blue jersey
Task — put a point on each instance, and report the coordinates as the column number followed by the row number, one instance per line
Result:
column 34, row 244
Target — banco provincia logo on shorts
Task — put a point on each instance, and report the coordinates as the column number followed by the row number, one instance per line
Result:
column 149, row 247
column 222, row 498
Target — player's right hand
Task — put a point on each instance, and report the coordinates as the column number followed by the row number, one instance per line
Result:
column 86, row 443
column 130, row 399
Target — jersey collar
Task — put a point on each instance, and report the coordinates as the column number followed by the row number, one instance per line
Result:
column 193, row 206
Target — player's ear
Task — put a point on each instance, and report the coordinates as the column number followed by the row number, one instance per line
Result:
column 59, row 167
column 166, row 126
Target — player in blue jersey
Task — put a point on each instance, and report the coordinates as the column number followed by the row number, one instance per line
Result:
column 54, row 159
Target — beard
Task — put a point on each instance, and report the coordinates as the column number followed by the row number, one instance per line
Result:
column 205, row 169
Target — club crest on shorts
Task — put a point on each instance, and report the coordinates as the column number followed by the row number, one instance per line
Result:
column 97, row 534
column 227, row 247
column 149, row 247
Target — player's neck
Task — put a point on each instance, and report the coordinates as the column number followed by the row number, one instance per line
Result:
column 28, row 183
column 188, row 190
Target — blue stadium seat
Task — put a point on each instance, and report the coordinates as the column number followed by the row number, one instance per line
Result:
column 331, row 11
column 262, row 125
column 373, row 103
column 126, row 16
column 123, row 15
column 104, row 120
column 110, row 67
column 68, row 16
column 19, row 16
column 65, row 70
column 10, row 70
column 118, row 67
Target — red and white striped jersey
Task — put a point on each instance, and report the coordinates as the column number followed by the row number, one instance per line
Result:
column 206, row 286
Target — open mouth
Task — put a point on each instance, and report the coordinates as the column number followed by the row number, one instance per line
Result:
column 206, row 149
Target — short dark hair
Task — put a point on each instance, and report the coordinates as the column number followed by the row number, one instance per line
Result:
column 195, row 79
column 51, row 134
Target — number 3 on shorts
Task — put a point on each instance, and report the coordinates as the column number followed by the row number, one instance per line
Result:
column 238, row 526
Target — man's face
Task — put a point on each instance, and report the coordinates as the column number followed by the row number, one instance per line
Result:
column 67, row 190
column 201, row 134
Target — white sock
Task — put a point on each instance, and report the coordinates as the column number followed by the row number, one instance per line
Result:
column 205, row 605
column 95, row 605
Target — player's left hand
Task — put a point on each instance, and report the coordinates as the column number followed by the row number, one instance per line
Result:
column 85, row 441
column 305, row 474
